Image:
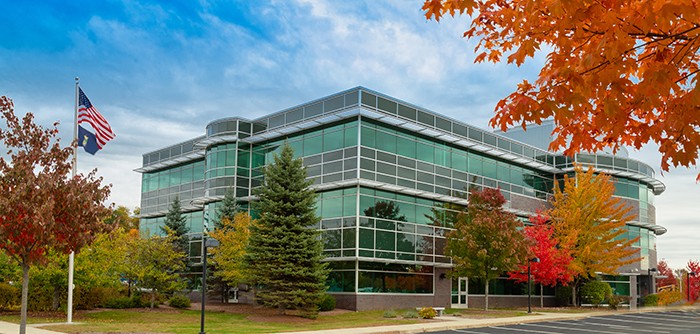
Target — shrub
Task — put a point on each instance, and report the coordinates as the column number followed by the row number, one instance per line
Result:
column 614, row 301
column 427, row 313
column 327, row 303
column 9, row 296
column 651, row 300
column 410, row 314
column 179, row 301
column 596, row 292
column 563, row 295
column 390, row 314
column 118, row 302
column 669, row 297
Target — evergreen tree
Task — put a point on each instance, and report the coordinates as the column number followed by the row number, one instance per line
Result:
column 227, row 209
column 176, row 226
column 284, row 256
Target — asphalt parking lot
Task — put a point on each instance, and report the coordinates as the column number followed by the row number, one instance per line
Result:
column 678, row 321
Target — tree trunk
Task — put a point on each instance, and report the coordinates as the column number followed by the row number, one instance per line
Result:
column 56, row 299
column 486, row 295
column 25, row 299
column 153, row 298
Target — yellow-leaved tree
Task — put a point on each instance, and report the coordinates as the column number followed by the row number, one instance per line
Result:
column 617, row 72
column 590, row 223
column 233, row 238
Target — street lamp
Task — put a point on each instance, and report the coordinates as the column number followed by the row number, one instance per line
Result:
column 652, row 288
column 692, row 273
column 529, row 284
column 206, row 243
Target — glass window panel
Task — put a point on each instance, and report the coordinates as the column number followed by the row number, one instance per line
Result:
column 426, row 118
column 367, row 164
column 459, row 161
column 333, row 141
column 313, row 145
column 406, row 147
column 386, row 240
column 368, row 137
column 443, row 124
column 369, row 99
column 349, row 204
column 313, row 110
column 443, row 157
column 351, row 136
column 407, row 112
column 386, row 168
column 333, row 167
column 349, row 238
column 332, row 207
column 386, row 105
column 331, row 239
column 333, row 104
column 386, row 141
column 367, row 205
column 406, row 242
column 366, row 238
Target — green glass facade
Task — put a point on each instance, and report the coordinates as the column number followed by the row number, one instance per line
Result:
column 386, row 173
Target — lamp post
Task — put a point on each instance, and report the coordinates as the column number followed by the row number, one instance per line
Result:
column 652, row 288
column 692, row 273
column 529, row 284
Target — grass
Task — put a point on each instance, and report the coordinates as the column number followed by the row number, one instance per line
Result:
column 188, row 321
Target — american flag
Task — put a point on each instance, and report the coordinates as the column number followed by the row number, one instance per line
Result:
column 88, row 113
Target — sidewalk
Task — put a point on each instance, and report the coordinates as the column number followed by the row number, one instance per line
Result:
column 10, row 328
column 452, row 322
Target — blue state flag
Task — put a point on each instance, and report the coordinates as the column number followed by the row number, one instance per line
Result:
column 87, row 140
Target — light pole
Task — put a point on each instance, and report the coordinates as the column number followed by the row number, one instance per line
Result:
column 692, row 273
column 652, row 288
column 529, row 284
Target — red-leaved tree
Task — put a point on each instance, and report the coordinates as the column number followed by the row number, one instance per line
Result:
column 554, row 262
column 664, row 270
column 42, row 208
column 693, row 267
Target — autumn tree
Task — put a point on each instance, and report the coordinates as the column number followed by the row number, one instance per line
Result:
column 693, row 281
column 176, row 226
column 155, row 265
column 590, row 224
column 664, row 270
column 553, row 267
column 228, row 257
column 616, row 72
column 284, row 255
column 42, row 208
column 486, row 240
column 122, row 217
column 227, row 209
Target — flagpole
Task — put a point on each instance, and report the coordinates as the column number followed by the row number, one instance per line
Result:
column 71, row 257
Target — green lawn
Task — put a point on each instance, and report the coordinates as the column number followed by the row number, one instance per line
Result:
column 188, row 321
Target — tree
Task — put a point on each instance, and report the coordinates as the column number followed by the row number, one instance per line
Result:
column 176, row 226
column 693, row 267
column 590, row 224
column 227, row 209
column 121, row 216
column 486, row 241
column 553, row 266
column 284, row 256
column 233, row 239
column 42, row 209
column 618, row 73
column 664, row 270
column 155, row 265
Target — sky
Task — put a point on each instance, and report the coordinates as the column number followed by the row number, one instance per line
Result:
column 159, row 71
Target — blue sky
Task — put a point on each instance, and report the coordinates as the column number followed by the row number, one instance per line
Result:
column 160, row 71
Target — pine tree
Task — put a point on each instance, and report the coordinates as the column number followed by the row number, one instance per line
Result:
column 227, row 209
column 176, row 225
column 284, row 256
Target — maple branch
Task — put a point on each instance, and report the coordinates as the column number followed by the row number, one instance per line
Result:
column 688, row 75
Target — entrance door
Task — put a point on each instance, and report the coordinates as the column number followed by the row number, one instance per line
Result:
column 460, row 300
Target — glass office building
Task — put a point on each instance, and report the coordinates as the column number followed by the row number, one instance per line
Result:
column 387, row 173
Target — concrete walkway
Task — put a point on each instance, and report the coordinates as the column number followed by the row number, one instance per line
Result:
column 10, row 328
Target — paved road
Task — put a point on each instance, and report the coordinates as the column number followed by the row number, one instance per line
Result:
column 663, row 322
